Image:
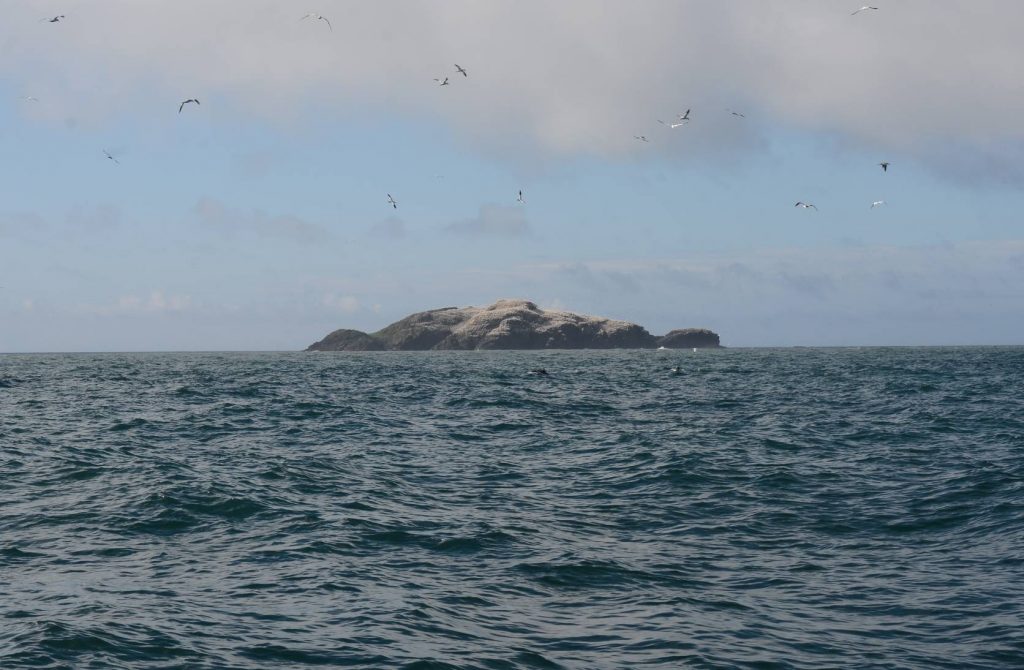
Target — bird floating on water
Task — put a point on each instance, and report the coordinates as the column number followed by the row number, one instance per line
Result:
column 862, row 9
column 877, row 203
column 884, row 165
column 182, row 105
column 461, row 70
column 440, row 82
column 107, row 154
column 392, row 201
column 317, row 17
column 805, row 205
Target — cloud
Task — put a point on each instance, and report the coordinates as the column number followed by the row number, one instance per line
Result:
column 573, row 77
column 391, row 227
column 215, row 215
column 493, row 221
column 157, row 302
column 346, row 304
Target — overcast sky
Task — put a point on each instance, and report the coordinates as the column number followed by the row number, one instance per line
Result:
column 259, row 218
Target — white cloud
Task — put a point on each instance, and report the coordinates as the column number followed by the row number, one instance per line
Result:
column 576, row 76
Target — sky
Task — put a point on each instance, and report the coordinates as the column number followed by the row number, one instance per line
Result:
column 258, row 219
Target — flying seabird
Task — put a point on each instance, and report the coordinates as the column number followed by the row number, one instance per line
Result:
column 805, row 205
column 885, row 166
column 182, row 105
column 862, row 9
column 460, row 70
column 685, row 117
column 671, row 125
column 735, row 113
column 393, row 202
column 441, row 83
column 318, row 18
column 519, row 199
column 641, row 138
column 107, row 154
column 55, row 19
column 877, row 203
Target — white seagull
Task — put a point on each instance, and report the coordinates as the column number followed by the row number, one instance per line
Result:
column 182, row 105
column 440, row 82
column 461, row 70
column 862, row 9
column 805, row 205
column 671, row 125
column 641, row 138
column 393, row 202
column 520, row 198
column 107, row 154
column 877, row 203
column 317, row 17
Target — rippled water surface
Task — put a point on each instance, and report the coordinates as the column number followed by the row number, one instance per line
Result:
column 763, row 509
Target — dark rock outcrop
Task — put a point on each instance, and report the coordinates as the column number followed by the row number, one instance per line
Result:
column 508, row 324
column 688, row 338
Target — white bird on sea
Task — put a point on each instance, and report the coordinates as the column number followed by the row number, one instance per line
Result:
column 182, row 105
column 107, row 154
column 317, row 17
column 519, row 199
column 862, row 9
column 440, row 82
column 641, row 138
column 877, row 203
column 805, row 205
column 394, row 203
column 461, row 70
column 671, row 125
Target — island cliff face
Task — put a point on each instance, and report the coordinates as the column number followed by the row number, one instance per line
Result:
column 509, row 324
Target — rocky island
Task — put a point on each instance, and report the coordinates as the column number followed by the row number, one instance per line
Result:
column 510, row 324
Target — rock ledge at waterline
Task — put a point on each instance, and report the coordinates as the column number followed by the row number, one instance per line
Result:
column 510, row 324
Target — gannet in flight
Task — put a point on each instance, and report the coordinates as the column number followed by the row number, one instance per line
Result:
column 685, row 117
column 862, row 9
column 182, row 105
column 441, row 83
column 671, row 125
column 805, row 205
column 107, row 154
column 318, row 18
column 520, row 198
column 461, row 70
column 640, row 137
column 885, row 166
column 55, row 19
column 735, row 113
column 877, row 203
column 393, row 202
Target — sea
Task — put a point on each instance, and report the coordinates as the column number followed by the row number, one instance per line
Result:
column 762, row 508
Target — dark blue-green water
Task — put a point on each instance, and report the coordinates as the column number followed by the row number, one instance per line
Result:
column 764, row 509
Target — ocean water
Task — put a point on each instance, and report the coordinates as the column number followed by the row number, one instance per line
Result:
column 845, row 508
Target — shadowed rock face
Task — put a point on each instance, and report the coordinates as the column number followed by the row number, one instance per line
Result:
column 507, row 324
column 687, row 338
